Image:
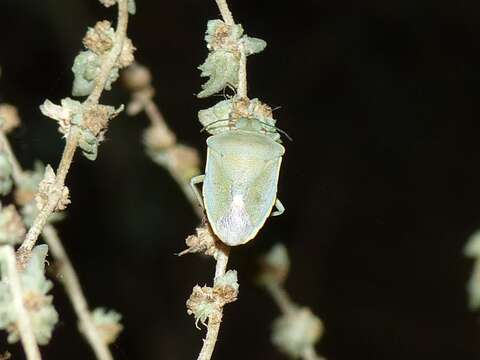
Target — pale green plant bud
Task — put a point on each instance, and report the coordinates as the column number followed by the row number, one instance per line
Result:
column 225, row 43
column 275, row 265
column 107, row 323
column 229, row 279
column 222, row 68
column 297, row 331
column 6, row 181
column 91, row 121
column 35, row 287
column 12, row 230
column 253, row 45
column 202, row 305
column 207, row 302
column 86, row 68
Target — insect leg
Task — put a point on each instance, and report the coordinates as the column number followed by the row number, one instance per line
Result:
column 193, row 182
column 280, row 208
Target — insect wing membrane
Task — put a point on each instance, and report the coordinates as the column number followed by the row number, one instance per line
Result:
column 240, row 183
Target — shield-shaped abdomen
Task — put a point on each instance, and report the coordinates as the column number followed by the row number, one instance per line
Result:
column 240, row 186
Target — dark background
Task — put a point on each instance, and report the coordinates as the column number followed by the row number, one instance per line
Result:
column 381, row 183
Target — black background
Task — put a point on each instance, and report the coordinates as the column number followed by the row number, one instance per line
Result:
column 381, row 183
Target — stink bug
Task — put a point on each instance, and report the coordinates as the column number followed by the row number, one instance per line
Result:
column 240, row 181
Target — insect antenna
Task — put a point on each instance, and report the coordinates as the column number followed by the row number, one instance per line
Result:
column 206, row 127
column 277, row 129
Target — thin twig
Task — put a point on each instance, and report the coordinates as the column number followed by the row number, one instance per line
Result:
column 17, row 173
column 69, row 277
column 25, row 249
column 225, row 11
column 242, row 74
column 23, row 253
column 24, row 324
column 142, row 97
column 74, row 291
column 214, row 323
column 280, row 296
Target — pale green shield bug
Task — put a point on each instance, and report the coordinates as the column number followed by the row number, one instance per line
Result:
column 241, row 176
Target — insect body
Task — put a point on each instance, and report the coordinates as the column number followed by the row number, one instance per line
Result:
column 240, row 183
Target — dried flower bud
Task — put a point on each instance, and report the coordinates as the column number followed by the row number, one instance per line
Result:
column 226, row 44
column 107, row 323
column 226, row 286
column 100, row 38
column 296, row 332
column 46, row 189
column 9, row 118
column 126, row 55
column 222, row 69
column 12, row 230
column 204, row 241
column 202, row 304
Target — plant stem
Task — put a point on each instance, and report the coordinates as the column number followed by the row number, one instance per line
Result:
column 108, row 64
column 214, row 322
column 23, row 253
column 280, row 296
column 25, row 249
column 157, row 119
column 242, row 74
column 74, row 291
column 24, row 324
column 225, row 11
column 69, row 277
column 17, row 169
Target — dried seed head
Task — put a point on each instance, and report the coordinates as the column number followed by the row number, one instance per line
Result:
column 126, row 55
column 203, row 241
column 46, row 189
column 206, row 302
column 9, row 118
column 100, row 38
column 95, row 118
column 226, row 286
